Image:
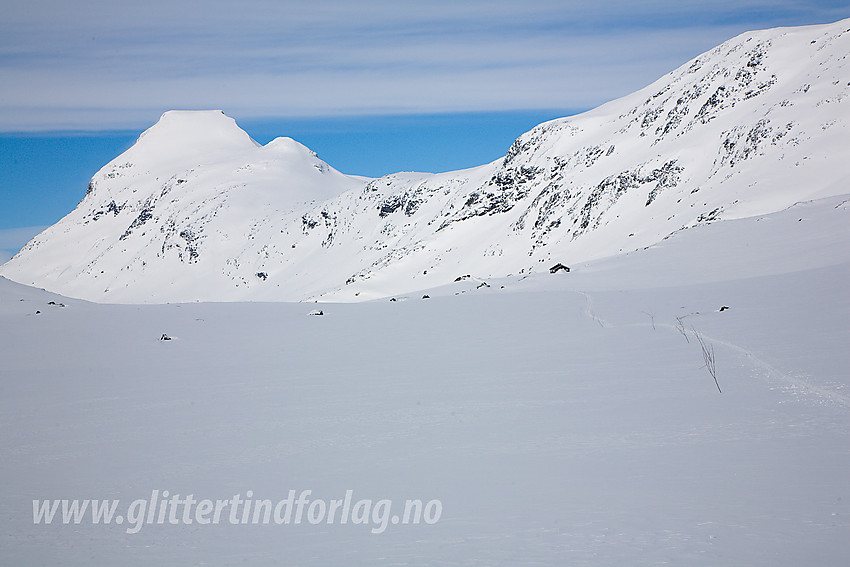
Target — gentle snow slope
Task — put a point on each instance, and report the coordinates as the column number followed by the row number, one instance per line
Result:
column 561, row 419
column 750, row 127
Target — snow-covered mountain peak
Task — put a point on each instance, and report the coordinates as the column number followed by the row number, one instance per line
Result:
column 292, row 152
column 285, row 144
column 191, row 135
column 202, row 129
column 187, row 148
column 179, row 142
column 196, row 210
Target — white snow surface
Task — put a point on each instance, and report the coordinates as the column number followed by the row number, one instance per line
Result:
column 563, row 419
column 197, row 211
column 560, row 419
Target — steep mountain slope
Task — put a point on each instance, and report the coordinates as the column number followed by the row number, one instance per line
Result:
column 751, row 127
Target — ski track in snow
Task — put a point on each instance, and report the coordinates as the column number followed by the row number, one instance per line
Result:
column 795, row 383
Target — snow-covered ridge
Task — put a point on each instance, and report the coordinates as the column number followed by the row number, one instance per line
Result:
column 196, row 210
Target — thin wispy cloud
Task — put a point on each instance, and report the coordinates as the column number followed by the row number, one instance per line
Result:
column 94, row 64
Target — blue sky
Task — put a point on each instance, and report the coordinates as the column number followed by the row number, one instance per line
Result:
column 373, row 86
